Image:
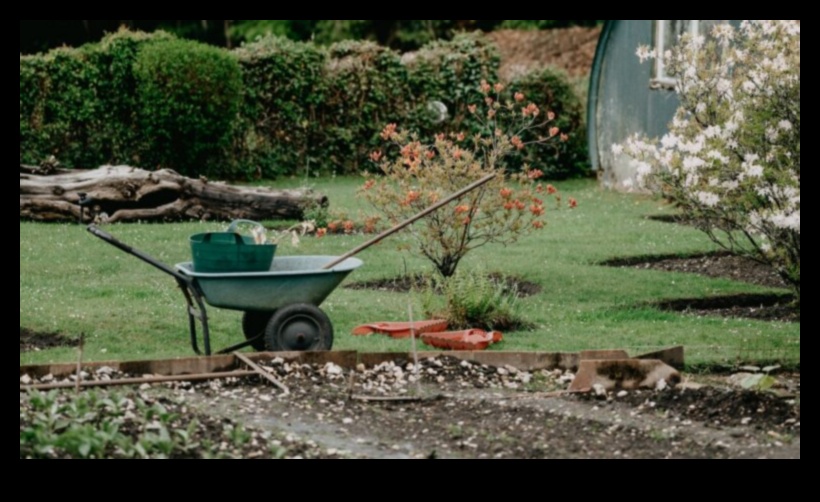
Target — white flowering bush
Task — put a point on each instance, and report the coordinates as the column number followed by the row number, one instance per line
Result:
column 731, row 159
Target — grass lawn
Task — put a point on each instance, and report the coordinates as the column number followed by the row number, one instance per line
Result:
column 72, row 283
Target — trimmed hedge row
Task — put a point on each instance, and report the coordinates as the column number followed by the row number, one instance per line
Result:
column 270, row 108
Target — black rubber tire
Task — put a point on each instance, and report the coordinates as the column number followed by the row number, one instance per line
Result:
column 254, row 323
column 299, row 327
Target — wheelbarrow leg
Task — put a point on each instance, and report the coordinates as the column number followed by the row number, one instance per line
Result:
column 198, row 311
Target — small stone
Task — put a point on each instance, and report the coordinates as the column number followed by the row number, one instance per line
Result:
column 465, row 364
column 360, row 368
column 623, row 393
column 661, row 385
column 25, row 380
column 145, row 386
column 525, row 378
column 347, row 420
column 48, row 378
column 333, row 369
column 502, row 371
column 599, row 389
column 105, row 370
column 745, row 420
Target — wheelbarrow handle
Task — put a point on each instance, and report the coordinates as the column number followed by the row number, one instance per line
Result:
column 98, row 232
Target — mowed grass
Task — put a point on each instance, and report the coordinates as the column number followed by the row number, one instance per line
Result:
column 73, row 283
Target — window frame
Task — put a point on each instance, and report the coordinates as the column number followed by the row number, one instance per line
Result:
column 660, row 80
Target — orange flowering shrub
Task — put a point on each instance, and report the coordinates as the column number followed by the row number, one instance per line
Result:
column 417, row 175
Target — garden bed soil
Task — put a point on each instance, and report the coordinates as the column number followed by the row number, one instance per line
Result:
column 35, row 341
column 467, row 410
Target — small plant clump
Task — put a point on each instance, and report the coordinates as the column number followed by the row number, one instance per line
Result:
column 472, row 299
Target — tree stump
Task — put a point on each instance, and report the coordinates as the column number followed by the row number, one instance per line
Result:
column 121, row 193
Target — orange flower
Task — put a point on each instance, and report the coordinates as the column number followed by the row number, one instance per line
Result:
column 539, row 188
column 332, row 226
column 537, row 224
column 349, row 225
column 499, row 87
column 508, row 206
column 554, row 132
column 551, row 189
column 457, row 154
column 505, row 193
column 489, row 101
column 535, row 174
column 550, row 116
column 491, row 114
column 519, row 97
column 370, row 224
column 321, row 232
column 530, row 110
column 485, row 87
column 537, row 210
column 388, row 132
column 466, row 221
column 460, row 136
column 516, row 142
column 430, row 154
column 369, row 184
column 564, row 138
column 376, row 156
column 462, row 209
column 412, row 196
column 519, row 205
column 440, row 137
column 573, row 203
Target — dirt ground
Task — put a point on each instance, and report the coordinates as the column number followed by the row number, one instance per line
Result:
column 456, row 409
column 473, row 411
column 571, row 49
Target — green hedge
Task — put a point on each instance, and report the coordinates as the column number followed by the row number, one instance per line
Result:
column 271, row 108
column 283, row 87
column 450, row 72
column 188, row 95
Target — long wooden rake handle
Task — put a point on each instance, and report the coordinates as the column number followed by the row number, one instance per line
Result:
column 409, row 221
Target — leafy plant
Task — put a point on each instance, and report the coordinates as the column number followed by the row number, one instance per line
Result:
column 471, row 299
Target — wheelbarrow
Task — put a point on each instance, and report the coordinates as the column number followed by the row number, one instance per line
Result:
column 280, row 306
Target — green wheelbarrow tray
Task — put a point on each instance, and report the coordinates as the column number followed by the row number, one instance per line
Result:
column 291, row 279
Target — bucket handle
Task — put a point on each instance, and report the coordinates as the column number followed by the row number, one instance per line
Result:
column 235, row 223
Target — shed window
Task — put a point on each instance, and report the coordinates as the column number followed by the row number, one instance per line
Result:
column 667, row 33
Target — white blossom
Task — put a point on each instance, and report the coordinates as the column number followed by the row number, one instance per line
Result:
column 708, row 199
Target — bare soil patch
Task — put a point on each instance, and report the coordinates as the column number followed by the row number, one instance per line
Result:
column 33, row 341
column 570, row 49
column 771, row 307
column 408, row 283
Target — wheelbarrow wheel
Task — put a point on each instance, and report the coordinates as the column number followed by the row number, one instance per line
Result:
column 297, row 327
column 253, row 324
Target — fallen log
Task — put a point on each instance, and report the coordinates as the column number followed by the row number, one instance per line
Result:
column 120, row 193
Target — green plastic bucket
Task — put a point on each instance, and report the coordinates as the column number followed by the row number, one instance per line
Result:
column 229, row 252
